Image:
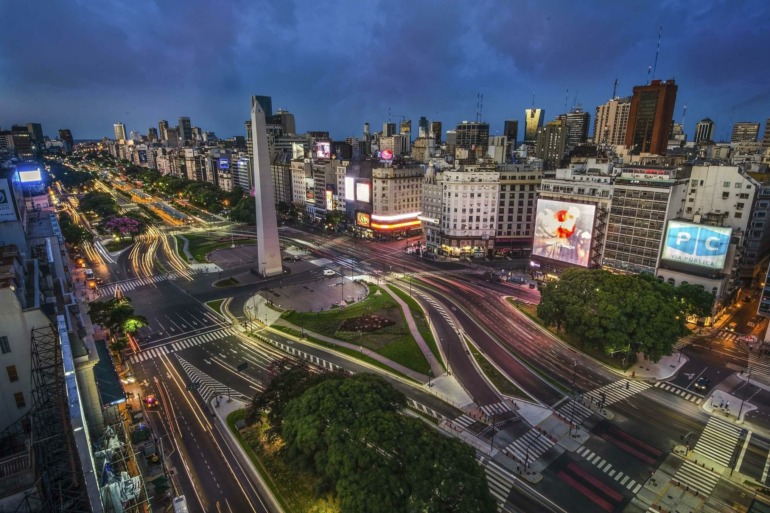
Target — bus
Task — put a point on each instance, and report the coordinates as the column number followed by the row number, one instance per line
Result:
column 180, row 504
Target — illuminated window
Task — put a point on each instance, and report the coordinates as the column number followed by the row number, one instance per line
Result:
column 19, row 397
column 12, row 374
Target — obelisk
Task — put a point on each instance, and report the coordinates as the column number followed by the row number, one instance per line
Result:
column 268, row 248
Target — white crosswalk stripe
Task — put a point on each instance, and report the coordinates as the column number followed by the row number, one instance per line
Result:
column 718, row 440
column 108, row 289
column 530, row 446
column 727, row 335
column 182, row 344
column 500, row 482
column 574, row 411
column 617, row 391
column 623, row 479
column 208, row 387
column 695, row 476
column 496, row 408
column 464, row 421
column 684, row 394
column 760, row 367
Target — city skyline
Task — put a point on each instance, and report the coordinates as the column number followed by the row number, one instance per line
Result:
column 162, row 63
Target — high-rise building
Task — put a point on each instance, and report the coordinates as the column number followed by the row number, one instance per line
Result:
column 185, row 130
column 22, row 141
column 745, row 131
column 533, row 121
column 474, row 137
column 649, row 119
column 406, row 127
column 612, row 122
column 266, row 103
column 577, row 122
column 423, row 127
column 435, row 131
column 551, row 143
column 388, row 129
column 66, row 136
column 120, row 132
column 704, row 131
column 36, row 132
column 511, row 132
column 766, row 135
column 285, row 119
column 163, row 129
column 152, row 134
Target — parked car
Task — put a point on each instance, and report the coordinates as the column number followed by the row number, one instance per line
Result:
column 702, row 384
column 329, row 272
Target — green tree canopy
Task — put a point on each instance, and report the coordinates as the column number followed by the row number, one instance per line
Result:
column 117, row 315
column 101, row 203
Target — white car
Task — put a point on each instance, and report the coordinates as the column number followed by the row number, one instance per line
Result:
column 329, row 272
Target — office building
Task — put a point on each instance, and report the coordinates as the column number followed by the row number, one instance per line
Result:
column 120, row 132
column 266, row 103
column 405, row 127
column 511, row 132
column 185, row 130
column 744, row 131
column 396, row 196
column 517, row 197
column 472, row 136
column 163, row 130
column 66, row 136
column 388, row 129
column 533, row 121
column 23, row 143
column 612, row 122
column 766, row 135
column 704, row 131
column 285, row 120
column 435, row 131
column 423, row 127
column 498, row 149
column 152, row 134
column 649, row 117
column 577, row 122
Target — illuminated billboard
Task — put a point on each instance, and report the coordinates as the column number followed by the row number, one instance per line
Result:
column 563, row 231
column 323, row 150
column 329, row 199
column 363, row 219
column 695, row 244
column 386, row 154
column 224, row 163
column 30, row 175
column 142, row 156
column 7, row 211
column 350, row 188
column 362, row 192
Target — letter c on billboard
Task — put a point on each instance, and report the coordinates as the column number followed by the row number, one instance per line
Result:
column 712, row 243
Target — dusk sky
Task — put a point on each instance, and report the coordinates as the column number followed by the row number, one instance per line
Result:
column 85, row 65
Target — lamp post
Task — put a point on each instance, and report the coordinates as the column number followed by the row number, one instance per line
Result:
column 745, row 391
column 264, row 269
column 572, row 413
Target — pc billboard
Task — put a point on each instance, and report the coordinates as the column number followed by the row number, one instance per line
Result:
column 563, row 231
column 695, row 244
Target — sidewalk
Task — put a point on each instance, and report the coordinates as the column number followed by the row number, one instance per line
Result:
column 663, row 369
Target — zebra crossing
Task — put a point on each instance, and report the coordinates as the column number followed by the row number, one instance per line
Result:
column 207, row 386
column 440, row 309
column 421, row 407
column 760, row 367
column 464, row 421
column 125, row 286
column 495, row 409
column 697, row 477
column 718, row 441
column 530, row 446
column 500, row 481
column 575, row 411
column 728, row 335
column 617, row 391
column 684, row 394
column 290, row 349
column 185, row 343
column 622, row 479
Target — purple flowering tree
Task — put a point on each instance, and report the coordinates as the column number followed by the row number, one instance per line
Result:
column 124, row 226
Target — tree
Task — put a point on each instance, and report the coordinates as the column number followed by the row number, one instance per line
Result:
column 102, row 203
column 694, row 300
column 349, row 431
column 117, row 315
column 334, row 218
column 123, row 226
column 73, row 233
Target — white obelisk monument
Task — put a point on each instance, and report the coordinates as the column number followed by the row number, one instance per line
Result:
column 268, row 249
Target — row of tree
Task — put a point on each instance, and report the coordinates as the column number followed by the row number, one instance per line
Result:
column 616, row 313
column 350, row 431
column 117, row 315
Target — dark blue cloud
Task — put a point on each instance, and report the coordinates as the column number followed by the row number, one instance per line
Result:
column 85, row 65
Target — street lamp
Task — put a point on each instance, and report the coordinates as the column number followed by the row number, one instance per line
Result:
column 264, row 269
column 745, row 391
column 572, row 414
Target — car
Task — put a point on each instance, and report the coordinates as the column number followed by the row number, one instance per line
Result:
column 702, row 384
column 751, row 324
column 329, row 272
column 151, row 401
column 747, row 299
column 732, row 326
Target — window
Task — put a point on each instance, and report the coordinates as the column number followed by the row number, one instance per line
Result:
column 739, row 206
column 12, row 374
column 5, row 347
column 738, row 215
column 19, row 396
column 737, row 185
column 725, row 184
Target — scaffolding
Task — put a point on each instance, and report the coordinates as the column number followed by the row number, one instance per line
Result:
column 60, row 482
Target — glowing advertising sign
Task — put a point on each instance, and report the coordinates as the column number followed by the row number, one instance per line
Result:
column 142, row 156
column 695, row 244
column 363, row 219
column 310, row 196
column 329, row 199
column 563, row 231
column 362, row 192
column 323, row 150
column 350, row 188
column 30, row 175
column 386, row 154
column 224, row 163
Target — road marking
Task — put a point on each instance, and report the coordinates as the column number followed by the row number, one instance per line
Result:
column 743, row 451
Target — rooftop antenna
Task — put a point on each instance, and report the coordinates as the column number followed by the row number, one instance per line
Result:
column 479, row 106
column 388, row 114
column 533, row 100
column 657, row 51
column 684, row 113
column 566, row 100
column 615, row 89
column 574, row 100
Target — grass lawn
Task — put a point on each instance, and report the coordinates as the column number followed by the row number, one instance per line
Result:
column 393, row 341
column 216, row 305
column 293, row 488
column 503, row 384
column 228, row 282
column 421, row 321
column 616, row 362
column 180, row 247
column 200, row 248
column 117, row 245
